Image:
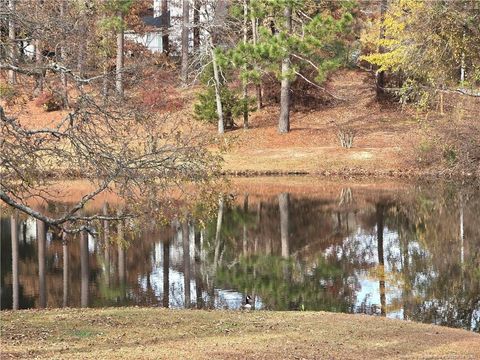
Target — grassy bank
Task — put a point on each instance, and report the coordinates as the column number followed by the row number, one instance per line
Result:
column 153, row 333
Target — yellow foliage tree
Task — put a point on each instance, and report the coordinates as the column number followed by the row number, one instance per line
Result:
column 430, row 46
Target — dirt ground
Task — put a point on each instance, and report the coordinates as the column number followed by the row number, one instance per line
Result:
column 155, row 333
column 384, row 136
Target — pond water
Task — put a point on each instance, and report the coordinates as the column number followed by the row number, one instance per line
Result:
column 405, row 251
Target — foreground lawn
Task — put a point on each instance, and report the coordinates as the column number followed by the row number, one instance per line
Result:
column 153, row 333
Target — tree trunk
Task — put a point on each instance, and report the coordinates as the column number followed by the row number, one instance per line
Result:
column 15, row 284
column 196, row 25
column 380, row 76
column 119, row 67
column 84, row 270
column 283, row 203
column 105, row 68
column 41, row 240
column 218, row 99
column 12, row 76
column 221, row 12
column 165, row 41
column 106, row 245
column 381, row 262
column 38, row 60
column 284, row 120
column 185, row 33
column 407, row 289
column 121, row 260
column 258, row 87
column 186, row 263
column 245, row 88
column 198, row 269
column 63, row 76
column 217, row 233
column 166, row 274
column 65, row 270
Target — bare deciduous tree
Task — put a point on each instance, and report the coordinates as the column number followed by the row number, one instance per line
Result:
column 115, row 144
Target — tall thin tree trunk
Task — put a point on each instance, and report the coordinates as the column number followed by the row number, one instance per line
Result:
column 218, row 232
column 283, row 203
column 186, row 263
column 63, row 76
column 284, row 120
column 84, row 270
column 380, row 76
column 166, row 274
column 106, row 245
column 12, row 53
column 121, row 260
column 65, row 270
column 245, row 85
column 258, row 87
column 221, row 11
column 381, row 261
column 105, row 67
column 119, row 67
column 218, row 99
column 165, row 41
column 41, row 240
column 407, row 288
column 39, row 62
column 82, row 44
column 15, row 284
column 196, row 25
column 198, row 269
column 185, row 34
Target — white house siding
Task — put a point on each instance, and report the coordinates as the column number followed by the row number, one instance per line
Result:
column 151, row 40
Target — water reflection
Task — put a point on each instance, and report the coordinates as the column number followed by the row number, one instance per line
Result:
column 41, row 242
column 412, row 255
column 14, row 236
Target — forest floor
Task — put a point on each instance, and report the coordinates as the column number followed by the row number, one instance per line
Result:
column 156, row 333
column 385, row 136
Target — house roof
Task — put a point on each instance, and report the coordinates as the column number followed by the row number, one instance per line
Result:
column 157, row 22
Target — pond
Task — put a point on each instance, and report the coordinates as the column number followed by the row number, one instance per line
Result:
column 398, row 250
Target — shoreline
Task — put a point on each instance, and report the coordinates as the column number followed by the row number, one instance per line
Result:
column 357, row 173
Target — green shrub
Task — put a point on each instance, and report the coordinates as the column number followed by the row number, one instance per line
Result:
column 206, row 107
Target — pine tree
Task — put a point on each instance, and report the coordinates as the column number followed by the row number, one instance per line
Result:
column 294, row 35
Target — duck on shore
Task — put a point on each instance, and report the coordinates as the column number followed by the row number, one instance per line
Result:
column 248, row 303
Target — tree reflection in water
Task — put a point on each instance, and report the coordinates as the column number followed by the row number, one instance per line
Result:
column 411, row 254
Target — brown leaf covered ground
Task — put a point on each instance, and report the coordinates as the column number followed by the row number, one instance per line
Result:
column 155, row 333
column 384, row 134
